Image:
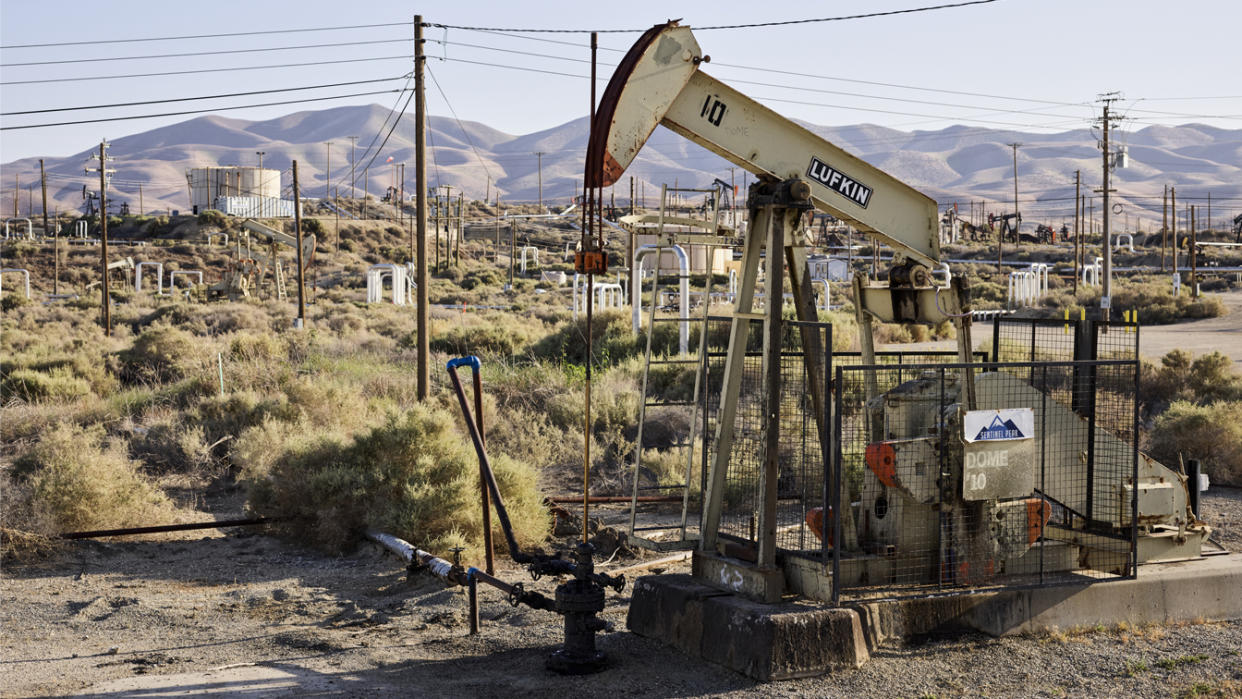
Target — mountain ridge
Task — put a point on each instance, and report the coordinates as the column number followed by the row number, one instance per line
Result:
column 957, row 164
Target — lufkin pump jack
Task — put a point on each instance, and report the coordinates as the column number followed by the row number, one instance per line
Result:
column 660, row 82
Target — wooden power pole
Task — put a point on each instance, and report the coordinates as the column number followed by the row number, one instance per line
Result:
column 420, row 172
column 47, row 231
column 297, row 230
column 103, row 234
column 1077, row 234
column 1164, row 226
column 538, row 154
column 1173, row 208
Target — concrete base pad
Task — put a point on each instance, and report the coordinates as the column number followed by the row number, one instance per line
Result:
column 1197, row 590
column 763, row 641
column 802, row 639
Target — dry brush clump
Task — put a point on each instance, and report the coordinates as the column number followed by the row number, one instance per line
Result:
column 1211, row 433
column 78, row 478
column 413, row 476
column 1196, row 406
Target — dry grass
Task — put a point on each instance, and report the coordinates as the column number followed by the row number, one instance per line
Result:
column 412, row 477
column 76, row 478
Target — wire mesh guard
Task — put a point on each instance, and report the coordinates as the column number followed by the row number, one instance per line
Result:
column 804, row 479
column 1025, row 487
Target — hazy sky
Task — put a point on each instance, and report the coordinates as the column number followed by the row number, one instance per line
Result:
column 1036, row 65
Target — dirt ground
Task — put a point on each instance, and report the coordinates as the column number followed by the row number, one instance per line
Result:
column 239, row 613
column 1223, row 334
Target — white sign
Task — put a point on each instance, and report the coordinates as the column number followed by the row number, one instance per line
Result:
column 998, row 425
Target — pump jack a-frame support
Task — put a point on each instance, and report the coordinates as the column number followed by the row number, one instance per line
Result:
column 659, row 83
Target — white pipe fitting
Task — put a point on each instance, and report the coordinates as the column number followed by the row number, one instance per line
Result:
column 636, row 297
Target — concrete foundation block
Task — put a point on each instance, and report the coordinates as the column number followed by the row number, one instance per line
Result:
column 1197, row 590
column 763, row 641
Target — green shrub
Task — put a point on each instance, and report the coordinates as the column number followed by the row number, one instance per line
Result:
column 81, row 481
column 1205, row 379
column 212, row 217
column 161, row 354
column 1211, row 433
column 492, row 334
column 33, row 386
column 255, row 348
column 415, row 478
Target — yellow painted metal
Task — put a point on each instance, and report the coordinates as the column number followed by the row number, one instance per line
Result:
column 664, row 86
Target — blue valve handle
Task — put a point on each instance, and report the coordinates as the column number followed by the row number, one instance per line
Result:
column 471, row 361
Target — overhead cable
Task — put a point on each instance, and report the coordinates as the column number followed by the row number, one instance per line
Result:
column 204, row 53
column 204, row 97
column 459, row 124
column 195, row 111
column 59, row 44
column 815, row 20
column 203, row 70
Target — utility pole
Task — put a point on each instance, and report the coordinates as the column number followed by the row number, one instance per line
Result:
column 401, row 201
column 17, row 191
column 327, row 174
column 420, row 172
column 1194, row 257
column 1106, row 298
column 260, row 153
column 445, row 218
column 103, row 233
column 47, row 231
column 297, row 229
column 366, row 191
column 512, row 249
column 1173, row 208
column 461, row 227
column 353, row 175
column 539, row 154
column 1164, row 226
column 631, row 208
column 141, row 207
column 733, row 197
column 1077, row 235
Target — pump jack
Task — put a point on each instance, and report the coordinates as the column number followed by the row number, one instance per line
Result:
column 659, row 82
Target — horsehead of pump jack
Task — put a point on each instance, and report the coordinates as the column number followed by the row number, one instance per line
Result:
column 660, row 82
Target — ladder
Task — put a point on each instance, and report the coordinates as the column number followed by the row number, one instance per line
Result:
column 653, row 534
column 279, row 279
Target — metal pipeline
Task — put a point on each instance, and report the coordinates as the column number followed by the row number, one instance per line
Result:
column 129, row 531
column 538, row 563
column 438, row 566
column 456, row 575
column 485, row 463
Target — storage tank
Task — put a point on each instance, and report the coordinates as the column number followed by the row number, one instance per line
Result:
column 208, row 183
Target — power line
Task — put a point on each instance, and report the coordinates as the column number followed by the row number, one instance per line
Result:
column 205, row 97
column 203, row 70
column 842, row 18
column 392, row 111
column 204, row 53
column 392, row 129
column 60, row 44
column 459, row 124
column 195, row 111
